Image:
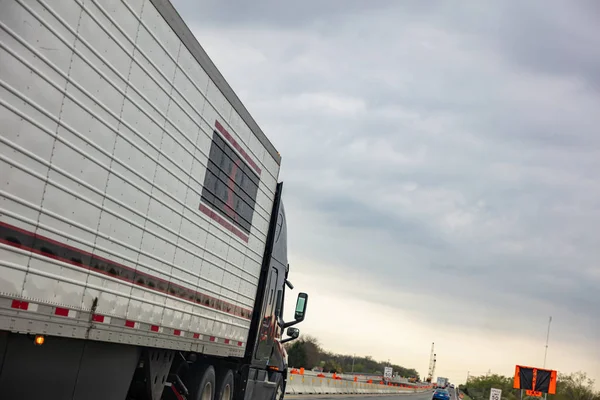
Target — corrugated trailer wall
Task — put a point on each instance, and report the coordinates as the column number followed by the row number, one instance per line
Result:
column 134, row 199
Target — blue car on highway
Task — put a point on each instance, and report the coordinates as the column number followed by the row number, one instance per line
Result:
column 441, row 394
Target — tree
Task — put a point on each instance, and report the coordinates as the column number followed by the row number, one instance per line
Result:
column 307, row 353
column 313, row 351
column 576, row 386
column 332, row 366
column 479, row 388
column 296, row 355
column 304, row 353
column 358, row 367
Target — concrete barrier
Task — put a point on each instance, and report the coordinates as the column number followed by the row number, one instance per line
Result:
column 360, row 377
column 307, row 384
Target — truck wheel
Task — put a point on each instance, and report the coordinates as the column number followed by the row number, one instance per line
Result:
column 201, row 383
column 225, row 390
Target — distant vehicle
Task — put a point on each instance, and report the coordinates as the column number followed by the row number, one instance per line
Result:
column 451, row 386
column 442, row 382
column 441, row 394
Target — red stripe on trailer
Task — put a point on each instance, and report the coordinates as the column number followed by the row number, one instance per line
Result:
column 236, row 145
column 223, row 222
column 61, row 312
column 98, row 318
column 20, row 305
column 240, row 343
column 64, row 312
column 127, row 274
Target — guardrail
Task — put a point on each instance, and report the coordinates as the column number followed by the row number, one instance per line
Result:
column 371, row 378
column 306, row 384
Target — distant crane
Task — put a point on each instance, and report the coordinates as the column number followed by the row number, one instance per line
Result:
column 432, row 362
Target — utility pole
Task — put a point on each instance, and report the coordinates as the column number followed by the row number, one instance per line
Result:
column 546, row 351
column 487, row 374
column 547, row 339
column 353, row 357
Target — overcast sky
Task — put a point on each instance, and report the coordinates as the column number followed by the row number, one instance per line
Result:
column 440, row 166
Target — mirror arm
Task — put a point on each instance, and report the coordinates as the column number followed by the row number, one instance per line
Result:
column 287, row 340
column 288, row 324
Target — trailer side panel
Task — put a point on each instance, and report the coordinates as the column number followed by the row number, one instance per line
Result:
column 134, row 195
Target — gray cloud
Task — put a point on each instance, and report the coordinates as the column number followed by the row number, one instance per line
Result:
column 273, row 13
column 424, row 140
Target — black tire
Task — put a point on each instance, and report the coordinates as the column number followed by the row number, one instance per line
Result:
column 226, row 386
column 201, row 379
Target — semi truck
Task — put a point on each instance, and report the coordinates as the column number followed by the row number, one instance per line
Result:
column 442, row 382
column 143, row 237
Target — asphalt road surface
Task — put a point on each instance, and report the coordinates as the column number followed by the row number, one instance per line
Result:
column 416, row 396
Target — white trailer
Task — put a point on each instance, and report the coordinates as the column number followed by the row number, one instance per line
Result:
column 142, row 236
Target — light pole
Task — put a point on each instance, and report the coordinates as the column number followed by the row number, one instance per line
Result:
column 547, row 339
column 353, row 357
column 546, row 352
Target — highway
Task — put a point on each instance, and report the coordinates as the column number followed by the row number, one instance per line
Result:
column 416, row 396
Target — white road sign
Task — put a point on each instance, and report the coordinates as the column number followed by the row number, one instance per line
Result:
column 496, row 394
column 387, row 373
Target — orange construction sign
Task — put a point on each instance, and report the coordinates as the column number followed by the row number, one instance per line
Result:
column 535, row 380
column 533, row 393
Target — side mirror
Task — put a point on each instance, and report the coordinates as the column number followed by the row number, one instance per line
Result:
column 293, row 334
column 301, row 307
column 300, row 311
